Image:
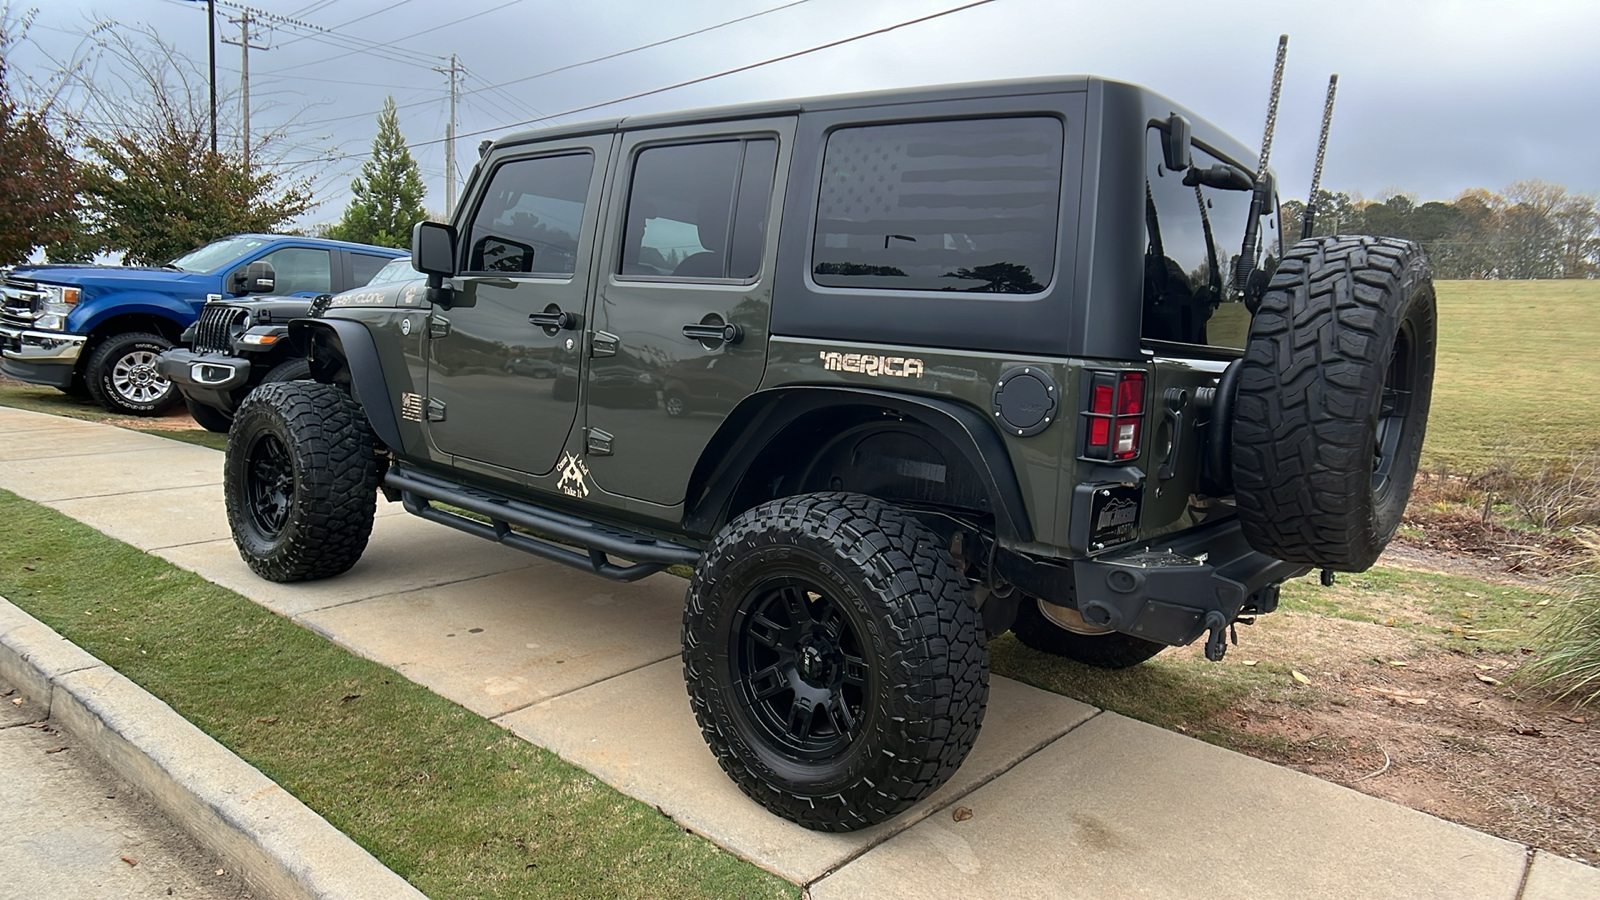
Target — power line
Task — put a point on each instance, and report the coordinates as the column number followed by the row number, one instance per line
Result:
column 693, row 81
column 408, row 37
column 369, row 15
column 734, row 71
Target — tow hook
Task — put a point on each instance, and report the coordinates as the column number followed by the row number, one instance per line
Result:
column 1217, row 643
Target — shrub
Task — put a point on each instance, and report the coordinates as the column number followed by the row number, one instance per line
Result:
column 1568, row 661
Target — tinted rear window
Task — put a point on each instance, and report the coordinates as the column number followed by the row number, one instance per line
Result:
column 959, row 205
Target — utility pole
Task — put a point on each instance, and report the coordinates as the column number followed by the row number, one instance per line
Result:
column 211, row 51
column 246, row 17
column 450, row 140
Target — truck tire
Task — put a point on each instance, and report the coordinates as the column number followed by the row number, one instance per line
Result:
column 1036, row 630
column 208, row 417
column 121, row 375
column 834, row 658
column 300, row 481
column 297, row 369
column 1333, row 399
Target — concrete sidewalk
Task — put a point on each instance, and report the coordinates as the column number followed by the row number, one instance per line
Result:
column 1066, row 801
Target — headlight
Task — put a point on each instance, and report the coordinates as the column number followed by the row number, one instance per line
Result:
column 59, row 299
column 237, row 324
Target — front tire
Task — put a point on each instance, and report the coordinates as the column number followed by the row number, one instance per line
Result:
column 835, row 660
column 300, row 481
column 1036, row 629
column 208, row 417
column 121, row 375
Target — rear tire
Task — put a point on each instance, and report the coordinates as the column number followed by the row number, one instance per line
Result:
column 208, row 417
column 121, row 375
column 300, row 481
column 1333, row 399
column 834, row 657
column 1111, row 650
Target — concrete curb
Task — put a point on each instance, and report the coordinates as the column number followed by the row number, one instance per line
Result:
column 276, row 843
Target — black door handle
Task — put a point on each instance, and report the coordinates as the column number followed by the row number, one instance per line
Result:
column 553, row 319
column 722, row 334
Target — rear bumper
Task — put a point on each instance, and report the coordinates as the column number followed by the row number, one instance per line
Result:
column 40, row 357
column 1165, row 591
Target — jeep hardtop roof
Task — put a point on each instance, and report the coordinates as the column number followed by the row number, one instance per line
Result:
column 1121, row 96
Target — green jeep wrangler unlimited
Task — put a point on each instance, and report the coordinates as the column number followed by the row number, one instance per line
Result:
column 892, row 373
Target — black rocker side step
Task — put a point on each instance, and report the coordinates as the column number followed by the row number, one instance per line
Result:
column 649, row 555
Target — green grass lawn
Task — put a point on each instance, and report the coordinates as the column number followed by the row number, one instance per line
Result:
column 457, row 805
column 1518, row 372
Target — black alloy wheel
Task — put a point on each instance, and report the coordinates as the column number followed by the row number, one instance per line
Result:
column 835, row 658
column 806, row 684
column 269, row 484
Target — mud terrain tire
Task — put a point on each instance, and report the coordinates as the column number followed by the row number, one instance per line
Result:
column 1112, row 650
column 1333, row 400
column 300, row 481
column 835, row 659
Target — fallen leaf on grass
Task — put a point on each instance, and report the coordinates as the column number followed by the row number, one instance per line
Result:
column 1577, row 719
column 348, row 697
column 29, row 569
column 1488, row 679
column 1389, row 623
column 1248, row 662
column 1484, row 668
column 17, row 702
column 1528, row 730
column 961, row 814
column 130, row 860
column 55, row 750
column 268, row 720
column 1399, row 662
column 1299, row 677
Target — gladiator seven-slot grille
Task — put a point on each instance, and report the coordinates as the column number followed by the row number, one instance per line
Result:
column 212, row 333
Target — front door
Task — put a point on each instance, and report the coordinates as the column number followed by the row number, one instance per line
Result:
column 679, row 329
column 504, row 362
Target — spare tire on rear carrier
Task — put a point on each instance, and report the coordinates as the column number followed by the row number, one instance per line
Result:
column 1332, row 401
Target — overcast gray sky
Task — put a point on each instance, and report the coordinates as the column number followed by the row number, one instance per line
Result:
column 1434, row 96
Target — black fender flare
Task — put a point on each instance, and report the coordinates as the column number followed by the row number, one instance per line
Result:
column 762, row 416
column 321, row 340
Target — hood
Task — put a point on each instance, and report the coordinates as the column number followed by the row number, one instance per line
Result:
column 272, row 309
column 118, row 277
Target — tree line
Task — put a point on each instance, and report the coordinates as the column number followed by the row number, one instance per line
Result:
column 1532, row 229
column 130, row 169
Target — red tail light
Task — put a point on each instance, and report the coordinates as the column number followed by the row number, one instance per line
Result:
column 1115, row 417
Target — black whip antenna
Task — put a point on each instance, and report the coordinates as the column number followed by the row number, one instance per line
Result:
column 1260, row 199
column 1322, row 151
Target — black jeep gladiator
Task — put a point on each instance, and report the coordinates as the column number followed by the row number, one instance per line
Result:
column 961, row 360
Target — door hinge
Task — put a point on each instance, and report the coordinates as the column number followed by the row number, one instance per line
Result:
column 435, row 410
column 599, row 442
column 438, row 326
column 603, row 344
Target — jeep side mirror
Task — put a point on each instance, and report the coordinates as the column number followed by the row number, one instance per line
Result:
column 1175, row 144
column 257, row 278
column 433, row 249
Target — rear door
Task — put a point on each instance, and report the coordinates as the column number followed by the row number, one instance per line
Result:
column 680, row 321
column 503, row 363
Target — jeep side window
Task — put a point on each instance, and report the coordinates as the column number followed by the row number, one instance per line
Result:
column 699, row 211
column 300, row 270
column 529, row 217
column 959, row 205
column 1193, row 234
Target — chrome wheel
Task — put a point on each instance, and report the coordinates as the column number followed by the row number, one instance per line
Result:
column 135, row 379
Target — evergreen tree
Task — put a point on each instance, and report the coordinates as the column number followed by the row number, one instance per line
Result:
column 388, row 193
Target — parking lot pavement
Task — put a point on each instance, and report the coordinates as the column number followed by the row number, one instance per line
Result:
column 71, row 828
column 1064, row 801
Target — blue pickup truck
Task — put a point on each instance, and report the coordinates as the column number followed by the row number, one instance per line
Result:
column 97, row 330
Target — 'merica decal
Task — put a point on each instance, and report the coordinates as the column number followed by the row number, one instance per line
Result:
column 868, row 364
